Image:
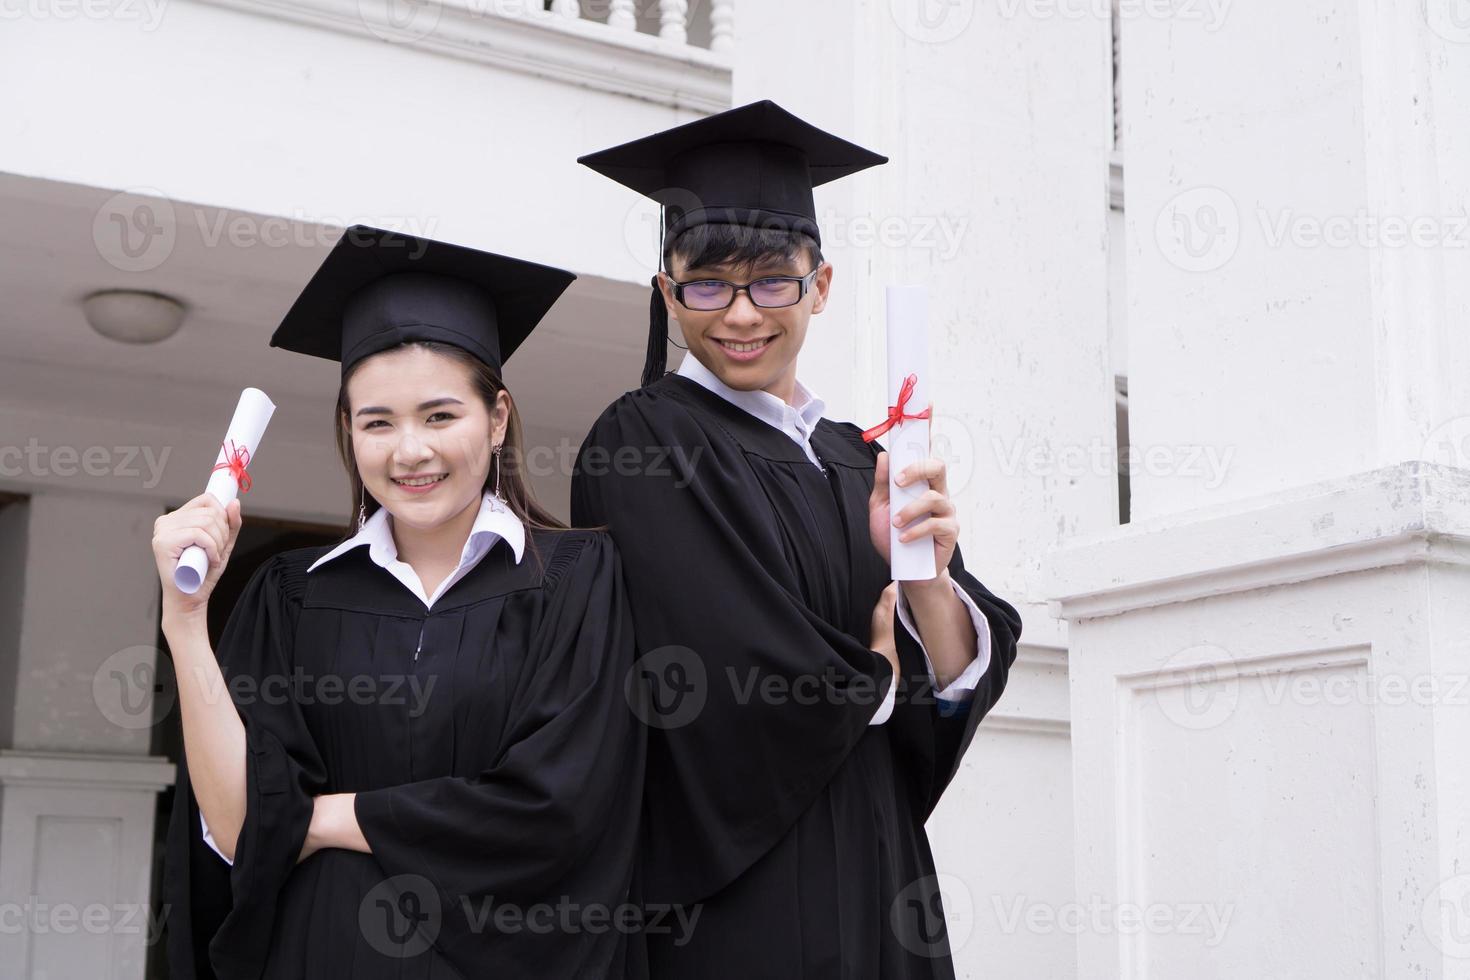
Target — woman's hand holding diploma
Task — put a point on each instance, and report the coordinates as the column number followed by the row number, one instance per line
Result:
column 202, row 522
column 205, row 529
column 228, row 479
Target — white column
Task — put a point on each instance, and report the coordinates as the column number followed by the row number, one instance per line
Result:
column 1275, row 193
column 79, row 788
column 75, row 860
column 1269, row 665
column 1269, row 719
column 91, row 603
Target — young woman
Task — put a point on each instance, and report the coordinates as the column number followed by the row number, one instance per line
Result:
column 411, row 755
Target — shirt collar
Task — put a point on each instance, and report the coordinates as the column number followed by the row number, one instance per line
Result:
column 494, row 522
column 762, row 404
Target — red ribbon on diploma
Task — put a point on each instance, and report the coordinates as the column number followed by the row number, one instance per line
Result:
column 236, row 459
column 896, row 412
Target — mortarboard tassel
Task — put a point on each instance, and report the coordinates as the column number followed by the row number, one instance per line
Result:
column 655, row 362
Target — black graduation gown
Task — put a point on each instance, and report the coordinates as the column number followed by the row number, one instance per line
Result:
column 796, row 827
column 498, row 774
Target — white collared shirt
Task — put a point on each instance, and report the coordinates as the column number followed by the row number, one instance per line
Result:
column 494, row 522
column 797, row 422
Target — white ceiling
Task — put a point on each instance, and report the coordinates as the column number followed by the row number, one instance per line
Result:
column 60, row 243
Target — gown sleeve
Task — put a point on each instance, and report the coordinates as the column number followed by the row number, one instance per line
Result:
column 223, row 915
column 938, row 732
column 555, row 818
column 718, row 613
column 932, row 734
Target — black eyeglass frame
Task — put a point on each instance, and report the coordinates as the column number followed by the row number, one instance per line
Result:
column 804, row 284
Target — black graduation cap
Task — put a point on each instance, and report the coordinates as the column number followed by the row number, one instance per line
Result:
column 378, row 289
column 752, row 166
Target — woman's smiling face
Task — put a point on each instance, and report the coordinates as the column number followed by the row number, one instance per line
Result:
column 421, row 434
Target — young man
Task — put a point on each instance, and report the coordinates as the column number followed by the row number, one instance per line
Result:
column 790, row 771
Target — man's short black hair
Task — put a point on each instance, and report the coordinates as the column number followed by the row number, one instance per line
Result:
column 719, row 244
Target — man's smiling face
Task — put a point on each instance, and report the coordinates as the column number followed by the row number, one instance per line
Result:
column 746, row 346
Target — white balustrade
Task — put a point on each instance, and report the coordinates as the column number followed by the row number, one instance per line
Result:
column 620, row 15
column 673, row 20
column 722, row 26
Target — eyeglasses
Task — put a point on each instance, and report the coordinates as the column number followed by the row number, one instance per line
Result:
column 768, row 292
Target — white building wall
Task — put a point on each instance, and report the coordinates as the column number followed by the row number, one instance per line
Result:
column 1267, row 666
column 314, row 112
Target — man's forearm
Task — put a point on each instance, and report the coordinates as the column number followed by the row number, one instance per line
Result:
column 944, row 624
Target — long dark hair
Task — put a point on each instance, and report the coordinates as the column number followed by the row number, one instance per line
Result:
column 488, row 386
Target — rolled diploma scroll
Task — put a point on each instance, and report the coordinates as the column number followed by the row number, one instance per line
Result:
column 908, row 441
column 252, row 414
